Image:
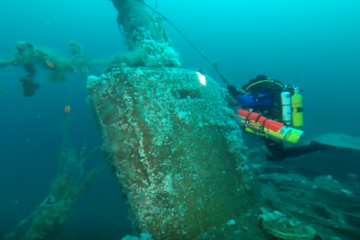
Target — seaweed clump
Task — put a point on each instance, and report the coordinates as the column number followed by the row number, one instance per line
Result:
column 29, row 86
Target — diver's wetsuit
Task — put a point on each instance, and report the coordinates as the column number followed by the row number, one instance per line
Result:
column 266, row 100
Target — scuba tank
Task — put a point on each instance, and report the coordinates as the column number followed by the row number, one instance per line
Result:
column 297, row 109
column 286, row 108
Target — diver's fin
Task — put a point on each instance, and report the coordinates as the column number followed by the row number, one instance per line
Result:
column 316, row 146
column 337, row 162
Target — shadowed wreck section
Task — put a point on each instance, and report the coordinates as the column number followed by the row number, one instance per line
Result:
column 175, row 150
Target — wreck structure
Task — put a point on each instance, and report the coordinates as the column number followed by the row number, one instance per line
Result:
column 171, row 140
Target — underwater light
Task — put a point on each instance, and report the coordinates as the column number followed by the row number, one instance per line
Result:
column 202, row 78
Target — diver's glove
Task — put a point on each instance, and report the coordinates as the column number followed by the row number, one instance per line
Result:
column 233, row 90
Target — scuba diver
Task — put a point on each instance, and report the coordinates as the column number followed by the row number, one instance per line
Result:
column 272, row 110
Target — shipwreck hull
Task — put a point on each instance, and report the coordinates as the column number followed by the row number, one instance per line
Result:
column 175, row 150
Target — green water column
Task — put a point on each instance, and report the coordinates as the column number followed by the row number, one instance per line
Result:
column 175, row 149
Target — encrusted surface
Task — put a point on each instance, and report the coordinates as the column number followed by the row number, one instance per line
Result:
column 281, row 227
column 175, row 151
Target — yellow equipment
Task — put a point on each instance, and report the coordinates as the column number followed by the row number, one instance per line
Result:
column 297, row 109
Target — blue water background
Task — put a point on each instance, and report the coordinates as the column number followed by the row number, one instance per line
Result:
column 312, row 44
